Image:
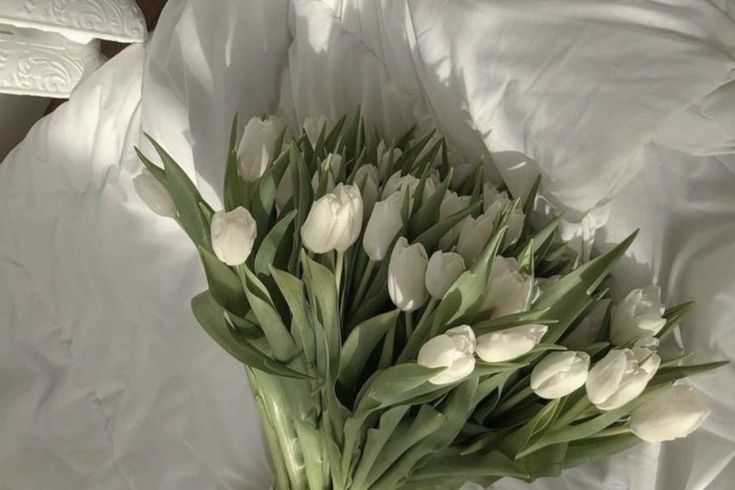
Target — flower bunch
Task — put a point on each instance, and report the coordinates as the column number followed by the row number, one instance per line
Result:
column 403, row 325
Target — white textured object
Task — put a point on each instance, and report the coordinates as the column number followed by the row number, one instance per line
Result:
column 78, row 20
column 43, row 63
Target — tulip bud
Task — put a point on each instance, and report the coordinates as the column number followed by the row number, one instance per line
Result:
column 451, row 204
column 620, row 376
column 443, row 270
column 334, row 221
column 559, row 374
column 257, row 145
column 367, row 179
column 384, row 224
column 462, row 170
column 330, row 166
column 670, row 414
column 508, row 344
column 314, row 126
column 384, row 158
column 509, row 290
column 454, row 351
column 233, row 234
column 473, row 236
column 154, row 194
column 493, row 204
column 638, row 315
column 397, row 181
column 406, row 272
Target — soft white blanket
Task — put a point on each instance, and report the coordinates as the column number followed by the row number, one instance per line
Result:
column 107, row 382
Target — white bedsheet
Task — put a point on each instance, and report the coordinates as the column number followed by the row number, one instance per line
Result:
column 107, row 382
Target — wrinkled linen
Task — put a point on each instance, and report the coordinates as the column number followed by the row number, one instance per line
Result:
column 107, row 381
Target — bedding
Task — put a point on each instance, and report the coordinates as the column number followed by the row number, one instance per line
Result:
column 107, row 382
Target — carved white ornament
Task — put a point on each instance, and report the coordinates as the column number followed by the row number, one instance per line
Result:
column 79, row 20
column 43, row 63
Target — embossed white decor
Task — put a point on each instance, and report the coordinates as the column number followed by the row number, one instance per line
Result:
column 79, row 20
column 43, row 63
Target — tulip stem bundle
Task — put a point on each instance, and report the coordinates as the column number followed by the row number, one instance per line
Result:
column 331, row 243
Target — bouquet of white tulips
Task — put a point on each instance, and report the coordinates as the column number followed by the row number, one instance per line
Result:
column 403, row 325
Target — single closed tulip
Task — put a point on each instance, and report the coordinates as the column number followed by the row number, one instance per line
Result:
column 668, row 415
column 509, row 344
column 334, row 221
column 443, row 270
column 233, row 235
column 638, row 315
column 397, row 181
column 367, row 179
column 509, row 290
column 330, row 166
column 313, row 127
column 620, row 376
column 473, row 236
column 384, row 224
column 493, row 204
column 406, row 272
column 384, row 158
column 559, row 374
column 257, row 144
column 154, row 194
column 452, row 204
column 452, row 350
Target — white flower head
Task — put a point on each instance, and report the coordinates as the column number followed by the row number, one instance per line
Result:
column 233, row 235
column 452, row 350
column 334, row 221
column 559, row 374
column 406, row 272
column 620, row 376
column 638, row 315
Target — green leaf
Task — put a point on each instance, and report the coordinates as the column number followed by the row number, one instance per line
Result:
column 395, row 385
column 210, row 316
column 186, row 198
column 521, row 437
column 262, row 204
column 280, row 340
column 360, row 344
column 322, row 290
column 430, row 238
column 271, row 244
column 599, row 448
column 673, row 317
column 292, row 290
column 455, row 469
column 428, row 214
column 154, row 169
column 512, row 320
column 672, row 373
column 375, row 441
column 224, row 284
column 303, row 196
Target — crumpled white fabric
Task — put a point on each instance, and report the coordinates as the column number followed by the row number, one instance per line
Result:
column 107, row 381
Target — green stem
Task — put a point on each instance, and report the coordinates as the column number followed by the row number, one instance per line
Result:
column 338, row 269
column 409, row 324
column 363, row 286
column 572, row 414
column 613, row 431
column 513, row 400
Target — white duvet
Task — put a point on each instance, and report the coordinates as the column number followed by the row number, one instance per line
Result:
column 627, row 108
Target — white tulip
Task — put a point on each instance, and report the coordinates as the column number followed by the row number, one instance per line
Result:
column 508, row 344
column 509, row 290
column 406, row 272
column 256, row 146
column 154, row 194
column 473, row 236
column 452, row 350
column 493, row 204
column 334, row 221
column 314, row 126
column 384, row 224
column 384, row 158
column 462, row 170
column 443, row 270
column 233, row 235
column 397, row 181
column 638, row 315
column 670, row 414
column 452, row 204
column 367, row 179
column 330, row 166
column 620, row 376
column 559, row 374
